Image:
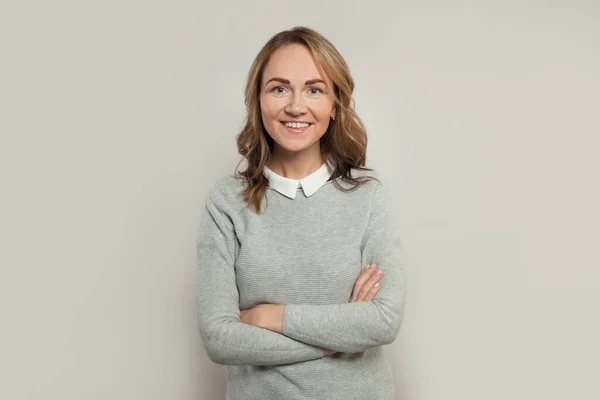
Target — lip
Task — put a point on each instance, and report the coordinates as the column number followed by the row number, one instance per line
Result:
column 297, row 131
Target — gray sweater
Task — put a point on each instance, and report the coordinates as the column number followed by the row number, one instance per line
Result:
column 305, row 253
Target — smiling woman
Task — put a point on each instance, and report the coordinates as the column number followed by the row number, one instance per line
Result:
column 299, row 77
column 296, row 104
column 283, row 298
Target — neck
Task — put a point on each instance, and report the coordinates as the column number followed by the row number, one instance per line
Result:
column 295, row 165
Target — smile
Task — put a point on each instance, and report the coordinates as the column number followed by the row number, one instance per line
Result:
column 296, row 127
column 296, row 124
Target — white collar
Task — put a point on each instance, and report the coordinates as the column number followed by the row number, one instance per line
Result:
column 288, row 187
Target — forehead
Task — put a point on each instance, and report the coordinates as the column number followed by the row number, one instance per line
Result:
column 293, row 62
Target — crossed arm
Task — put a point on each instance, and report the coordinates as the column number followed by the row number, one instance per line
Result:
column 273, row 334
column 226, row 339
column 271, row 316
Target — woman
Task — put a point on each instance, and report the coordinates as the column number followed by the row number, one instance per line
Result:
column 283, row 298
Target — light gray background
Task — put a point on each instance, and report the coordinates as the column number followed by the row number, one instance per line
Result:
column 116, row 116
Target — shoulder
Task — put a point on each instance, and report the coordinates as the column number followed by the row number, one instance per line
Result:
column 361, row 194
column 226, row 186
column 376, row 188
column 227, row 193
column 371, row 182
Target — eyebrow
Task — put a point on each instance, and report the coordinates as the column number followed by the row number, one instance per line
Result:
column 287, row 82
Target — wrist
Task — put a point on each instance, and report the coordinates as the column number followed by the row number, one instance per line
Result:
column 272, row 317
column 277, row 320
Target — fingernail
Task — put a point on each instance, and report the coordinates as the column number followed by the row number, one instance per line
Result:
column 370, row 266
column 379, row 272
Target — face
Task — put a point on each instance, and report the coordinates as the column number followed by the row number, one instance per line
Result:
column 295, row 100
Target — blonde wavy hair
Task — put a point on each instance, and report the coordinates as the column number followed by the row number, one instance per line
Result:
column 345, row 141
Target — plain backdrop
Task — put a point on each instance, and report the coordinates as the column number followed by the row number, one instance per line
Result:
column 117, row 116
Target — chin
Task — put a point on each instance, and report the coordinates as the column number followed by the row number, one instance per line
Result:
column 297, row 147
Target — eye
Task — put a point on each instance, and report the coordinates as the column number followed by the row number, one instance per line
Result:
column 315, row 91
column 278, row 90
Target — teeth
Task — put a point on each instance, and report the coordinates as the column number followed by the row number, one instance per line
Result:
column 296, row 125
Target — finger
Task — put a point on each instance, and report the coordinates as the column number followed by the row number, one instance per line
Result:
column 364, row 276
column 371, row 294
column 360, row 283
column 369, row 284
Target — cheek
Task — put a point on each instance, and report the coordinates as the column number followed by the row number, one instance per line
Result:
column 269, row 115
column 323, row 111
column 269, row 109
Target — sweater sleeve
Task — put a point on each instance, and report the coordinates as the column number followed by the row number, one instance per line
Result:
column 226, row 339
column 358, row 326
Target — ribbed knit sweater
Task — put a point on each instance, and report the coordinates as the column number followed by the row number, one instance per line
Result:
column 306, row 253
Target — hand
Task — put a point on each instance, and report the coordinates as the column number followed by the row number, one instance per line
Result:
column 367, row 284
column 267, row 316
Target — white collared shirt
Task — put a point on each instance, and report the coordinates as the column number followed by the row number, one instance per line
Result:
column 289, row 187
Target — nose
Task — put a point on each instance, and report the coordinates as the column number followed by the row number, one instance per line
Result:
column 296, row 105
